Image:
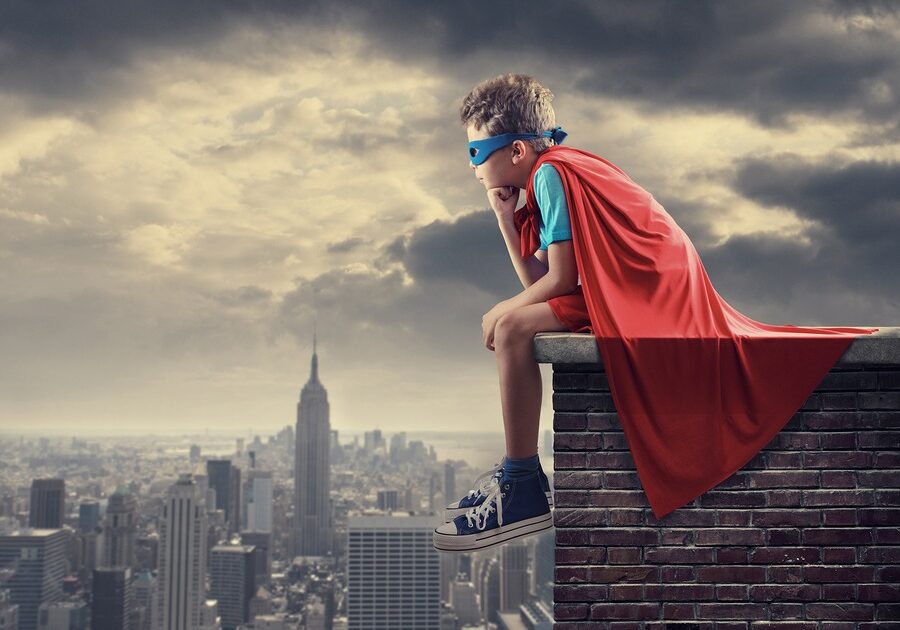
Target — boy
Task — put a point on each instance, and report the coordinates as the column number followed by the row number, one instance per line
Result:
column 699, row 387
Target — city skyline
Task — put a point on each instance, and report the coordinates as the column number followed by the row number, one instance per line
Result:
column 136, row 534
column 182, row 195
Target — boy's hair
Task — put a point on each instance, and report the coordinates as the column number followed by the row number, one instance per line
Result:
column 510, row 103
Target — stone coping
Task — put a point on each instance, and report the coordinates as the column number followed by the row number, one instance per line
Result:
column 879, row 348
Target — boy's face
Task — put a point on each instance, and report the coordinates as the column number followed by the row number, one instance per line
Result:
column 499, row 169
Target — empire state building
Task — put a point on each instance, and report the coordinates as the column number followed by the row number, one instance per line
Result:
column 311, row 535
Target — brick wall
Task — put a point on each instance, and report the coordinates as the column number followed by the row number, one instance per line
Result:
column 805, row 536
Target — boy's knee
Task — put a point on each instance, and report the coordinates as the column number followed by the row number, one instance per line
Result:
column 511, row 327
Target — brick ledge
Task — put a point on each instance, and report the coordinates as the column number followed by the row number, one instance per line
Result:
column 879, row 348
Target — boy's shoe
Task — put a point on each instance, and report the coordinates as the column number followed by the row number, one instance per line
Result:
column 480, row 490
column 513, row 508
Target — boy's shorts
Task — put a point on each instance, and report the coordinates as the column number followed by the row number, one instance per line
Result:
column 571, row 310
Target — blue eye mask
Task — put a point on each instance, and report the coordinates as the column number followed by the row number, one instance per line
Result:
column 480, row 150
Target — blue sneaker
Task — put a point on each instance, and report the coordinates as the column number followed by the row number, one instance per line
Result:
column 513, row 508
column 480, row 489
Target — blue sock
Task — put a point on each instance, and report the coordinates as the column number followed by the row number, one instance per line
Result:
column 518, row 468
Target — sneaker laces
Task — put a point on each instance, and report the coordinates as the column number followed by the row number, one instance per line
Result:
column 483, row 481
column 477, row 516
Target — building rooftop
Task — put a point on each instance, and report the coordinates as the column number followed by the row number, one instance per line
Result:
column 881, row 347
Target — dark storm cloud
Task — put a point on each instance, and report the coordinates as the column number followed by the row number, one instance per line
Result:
column 852, row 243
column 72, row 55
column 470, row 249
column 764, row 59
column 857, row 205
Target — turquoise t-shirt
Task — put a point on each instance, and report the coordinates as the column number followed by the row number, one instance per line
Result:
column 551, row 199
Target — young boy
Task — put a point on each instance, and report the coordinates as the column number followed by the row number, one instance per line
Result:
column 550, row 302
column 699, row 388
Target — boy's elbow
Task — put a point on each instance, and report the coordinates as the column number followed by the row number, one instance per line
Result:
column 569, row 284
column 563, row 266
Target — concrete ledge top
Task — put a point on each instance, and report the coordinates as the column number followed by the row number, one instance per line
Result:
column 879, row 348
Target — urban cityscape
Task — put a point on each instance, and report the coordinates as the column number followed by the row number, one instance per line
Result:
column 303, row 529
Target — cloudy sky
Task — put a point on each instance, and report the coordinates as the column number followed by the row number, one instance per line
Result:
column 185, row 187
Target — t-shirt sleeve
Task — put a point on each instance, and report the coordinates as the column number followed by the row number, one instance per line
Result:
column 551, row 200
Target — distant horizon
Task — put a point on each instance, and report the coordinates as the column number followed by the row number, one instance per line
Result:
column 234, row 434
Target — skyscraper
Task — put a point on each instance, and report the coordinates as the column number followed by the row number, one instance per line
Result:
column 464, row 601
column 64, row 615
column 311, row 534
column 182, row 557
column 88, row 515
column 545, row 566
column 225, row 479
column 259, row 500
column 112, row 599
column 262, row 546
column 489, row 588
column 37, row 558
column 233, row 582
column 449, row 483
column 513, row 574
column 119, row 529
column 48, row 503
column 393, row 573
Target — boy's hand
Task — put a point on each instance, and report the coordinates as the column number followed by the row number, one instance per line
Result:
column 503, row 200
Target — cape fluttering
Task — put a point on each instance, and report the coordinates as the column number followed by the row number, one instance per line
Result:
column 699, row 387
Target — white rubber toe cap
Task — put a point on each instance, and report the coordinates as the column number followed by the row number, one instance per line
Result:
column 447, row 528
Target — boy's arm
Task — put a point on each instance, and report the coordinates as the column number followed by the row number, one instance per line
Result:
column 561, row 277
column 529, row 269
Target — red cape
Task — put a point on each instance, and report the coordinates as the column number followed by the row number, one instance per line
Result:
column 699, row 387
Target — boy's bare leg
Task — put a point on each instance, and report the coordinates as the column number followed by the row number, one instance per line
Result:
column 520, row 375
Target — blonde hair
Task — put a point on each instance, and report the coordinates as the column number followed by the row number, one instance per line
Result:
column 510, row 103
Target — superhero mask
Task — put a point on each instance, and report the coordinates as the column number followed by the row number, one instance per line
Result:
column 480, row 150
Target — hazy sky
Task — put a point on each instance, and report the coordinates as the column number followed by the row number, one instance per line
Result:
column 183, row 186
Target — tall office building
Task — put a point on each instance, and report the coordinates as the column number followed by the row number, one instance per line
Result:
column 88, row 515
column 258, row 493
column 434, row 496
column 225, row 479
column 144, row 588
column 374, row 441
column 48, row 503
column 449, row 571
column 388, row 500
column 182, row 558
column 489, row 589
column 449, row 483
column 119, row 530
column 64, row 615
column 547, row 455
column 312, row 528
column 513, row 574
column 465, row 602
column 398, row 448
column 88, row 552
column 544, row 566
column 393, row 573
column 262, row 547
column 232, row 582
column 37, row 558
column 112, row 599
